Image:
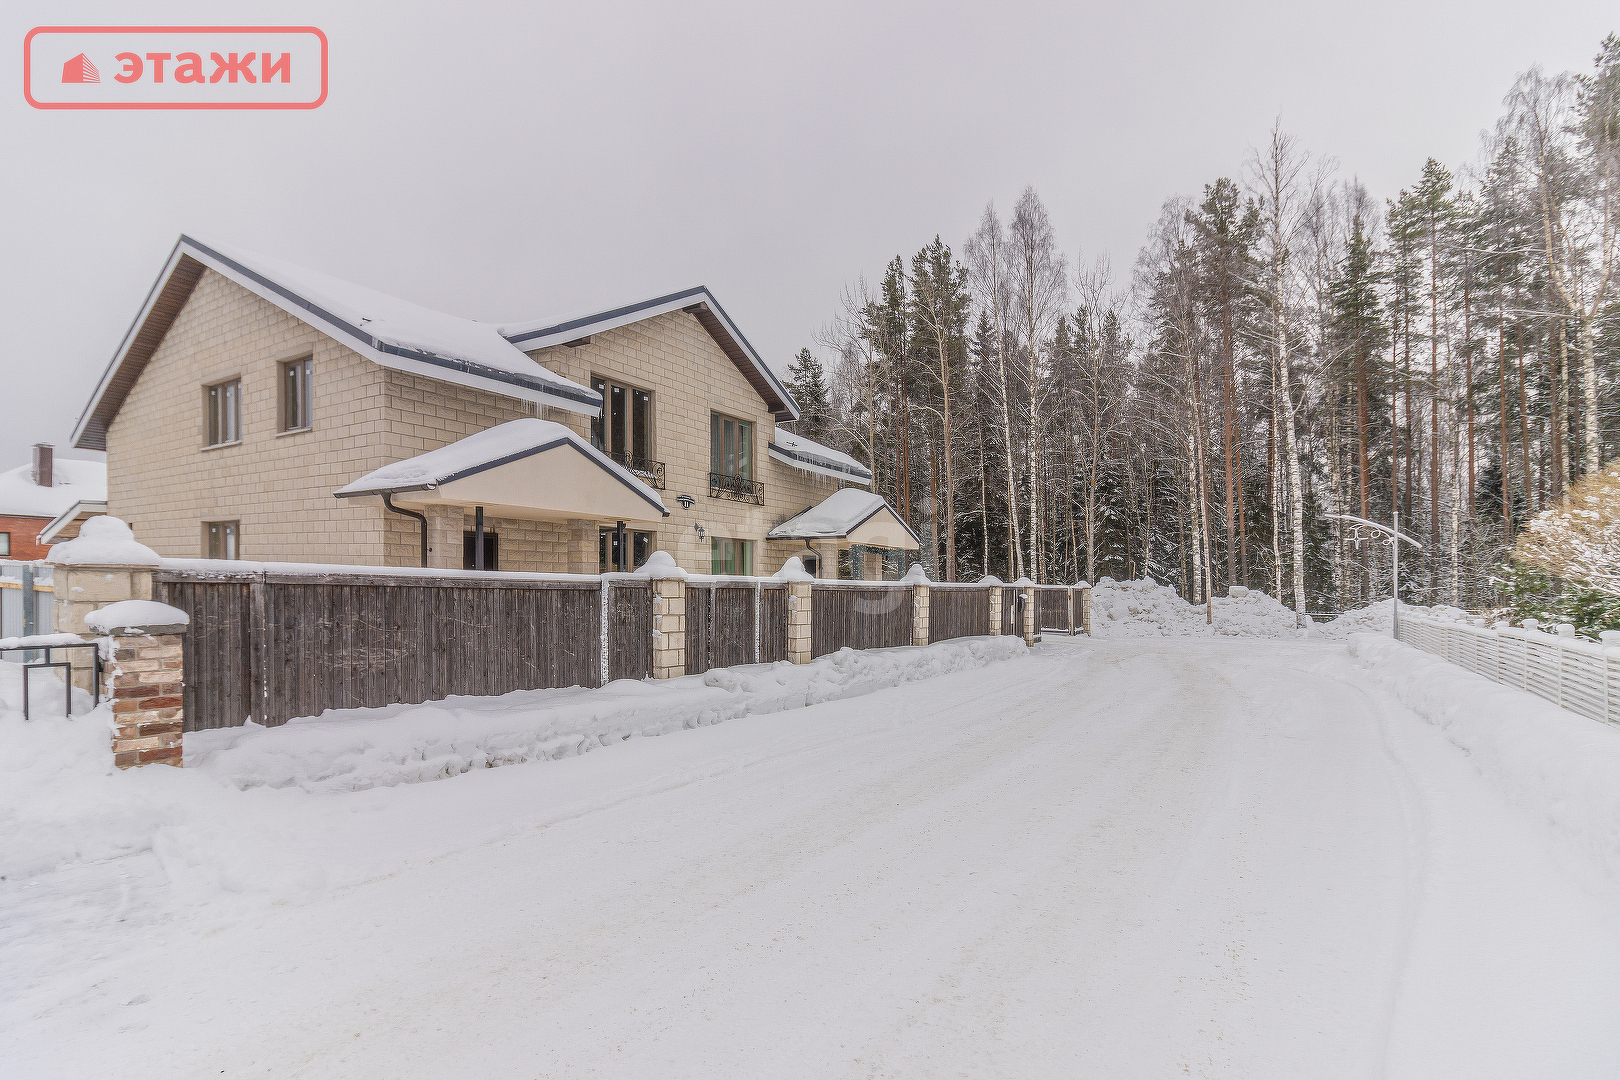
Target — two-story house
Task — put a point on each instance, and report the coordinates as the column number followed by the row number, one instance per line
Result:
column 259, row 410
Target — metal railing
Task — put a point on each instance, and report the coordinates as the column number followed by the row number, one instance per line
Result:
column 1576, row 674
column 736, row 488
column 646, row 468
column 67, row 668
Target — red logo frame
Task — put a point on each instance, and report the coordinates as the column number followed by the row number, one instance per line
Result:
column 28, row 67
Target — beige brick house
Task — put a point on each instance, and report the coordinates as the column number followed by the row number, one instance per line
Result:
column 258, row 410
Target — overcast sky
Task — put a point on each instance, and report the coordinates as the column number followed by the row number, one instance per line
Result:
column 510, row 161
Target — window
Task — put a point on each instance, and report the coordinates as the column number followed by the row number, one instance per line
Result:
column 225, row 412
column 641, row 546
column 731, row 447
column 5, row 543
column 492, row 551
column 732, row 556
column 624, row 430
column 295, row 397
column 222, row 539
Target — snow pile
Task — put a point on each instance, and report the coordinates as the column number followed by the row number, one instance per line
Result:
column 1559, row 766
column 103, row 541
column 73, row 481
column 355, row 749
column 1375, row 619
column 134, row 615
column 1124, row 609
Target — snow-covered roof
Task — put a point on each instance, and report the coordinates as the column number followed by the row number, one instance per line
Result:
column 836, row 516
column 392, row 332
column 75, row 482
column 812, row 457
column 699, row 301
column 499, row 445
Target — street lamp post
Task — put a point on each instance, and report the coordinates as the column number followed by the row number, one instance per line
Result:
column 1395, row 538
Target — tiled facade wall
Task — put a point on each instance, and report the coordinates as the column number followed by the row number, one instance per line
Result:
column 675, row 358
column 165, row 482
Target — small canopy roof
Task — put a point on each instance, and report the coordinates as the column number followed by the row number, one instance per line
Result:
column 812, row 457
column 531, row 469
column 852, row 516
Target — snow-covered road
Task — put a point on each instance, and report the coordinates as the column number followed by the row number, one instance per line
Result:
column 1123, row 859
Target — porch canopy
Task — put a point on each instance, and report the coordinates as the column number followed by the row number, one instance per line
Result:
column 529, row 469
column 850, row 516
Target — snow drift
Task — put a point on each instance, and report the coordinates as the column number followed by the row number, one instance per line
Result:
column 1123, row 609
column 62, row 802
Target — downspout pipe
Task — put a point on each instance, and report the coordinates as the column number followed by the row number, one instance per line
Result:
column 388, row 501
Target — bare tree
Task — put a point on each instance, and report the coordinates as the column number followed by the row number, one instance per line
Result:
column 988, row 271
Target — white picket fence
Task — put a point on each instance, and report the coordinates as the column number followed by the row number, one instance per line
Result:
column 1572, row 672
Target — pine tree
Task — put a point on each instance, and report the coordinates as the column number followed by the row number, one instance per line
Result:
column 808, row 385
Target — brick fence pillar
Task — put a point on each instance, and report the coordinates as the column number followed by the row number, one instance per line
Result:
column 668, row 615
column 995, row 610
column 1084, row 602
column 919, row 615
column 799, row 626
column 669, row 628
column 147, row 680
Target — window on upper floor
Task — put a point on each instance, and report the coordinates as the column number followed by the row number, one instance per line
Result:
column 223, row 402
column 222, row 539
column 731, row 446
column 624, row 430
column 297, row 381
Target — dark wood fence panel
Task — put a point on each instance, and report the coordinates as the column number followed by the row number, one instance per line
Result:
column 773, row 620
column 732, row 641
column 630, row 631
column 1009, row 611
column 954, row 613
column 217, row 650
column 699, row 614
column 1052, row 609
column 859, row 617
column 282, row 646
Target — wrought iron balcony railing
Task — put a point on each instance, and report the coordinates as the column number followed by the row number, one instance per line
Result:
column 649, row 470
column 736, row 488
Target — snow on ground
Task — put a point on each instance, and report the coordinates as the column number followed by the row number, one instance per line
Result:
column 1135, row 858
column 63, row 803
column 1145, row 608
column 1375, row 619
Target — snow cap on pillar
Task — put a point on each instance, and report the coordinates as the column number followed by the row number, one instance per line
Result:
column 793, row 570
column 661, row 566
column 916, row 573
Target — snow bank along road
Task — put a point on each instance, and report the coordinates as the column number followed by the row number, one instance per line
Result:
column 1121, row 859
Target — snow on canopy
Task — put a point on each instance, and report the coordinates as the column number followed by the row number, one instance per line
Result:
column 514, row 438
column 75, row 482
column 404, row 325
column 812, row 457
column 835, row 516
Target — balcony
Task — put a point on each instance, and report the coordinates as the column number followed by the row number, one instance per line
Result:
column 736, row 488
column 650, row 471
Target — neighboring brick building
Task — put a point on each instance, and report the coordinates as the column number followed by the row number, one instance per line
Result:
column 45, row 501
column 249, row 391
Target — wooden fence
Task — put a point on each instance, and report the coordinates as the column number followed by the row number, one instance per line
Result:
column 859, row 616
column 271, row 646
column 957, row 611
column 728, row 625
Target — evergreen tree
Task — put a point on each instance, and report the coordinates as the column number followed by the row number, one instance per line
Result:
column 808, row 385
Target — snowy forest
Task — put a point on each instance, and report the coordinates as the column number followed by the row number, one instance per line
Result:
column 1287, row 346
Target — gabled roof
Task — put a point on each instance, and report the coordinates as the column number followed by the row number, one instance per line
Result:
column 699, row 302
column 812, row 457
column 839, row 515
column 489, row 449
column 392, row 332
